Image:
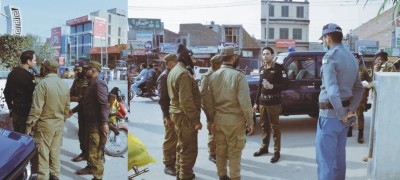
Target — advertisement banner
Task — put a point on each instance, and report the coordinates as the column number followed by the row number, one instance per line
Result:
column 284, row 43
column 100, row 28
column 203, row 49
column 56, row 37
column 137, row 52
column 221, row 45
column 135, row 44
column 168, row 47
column 140, row 23
column 368, row 50
column 77, row 20
column 146, row 36
column 14, row 20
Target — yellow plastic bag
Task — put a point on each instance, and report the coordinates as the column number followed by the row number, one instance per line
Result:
column 137, row 153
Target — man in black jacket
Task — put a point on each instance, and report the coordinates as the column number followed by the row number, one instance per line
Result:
column 96, row 111
column 273, row 80
column 19, row 90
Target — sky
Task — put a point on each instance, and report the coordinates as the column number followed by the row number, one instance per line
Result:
column 40, row 16
column 346, row 13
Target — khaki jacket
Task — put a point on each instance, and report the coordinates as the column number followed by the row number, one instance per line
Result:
column 205, row 92
column 50, row 105
column 230, row 97
column 184, row 93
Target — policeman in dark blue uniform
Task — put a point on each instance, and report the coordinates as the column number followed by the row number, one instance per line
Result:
column 341, row 92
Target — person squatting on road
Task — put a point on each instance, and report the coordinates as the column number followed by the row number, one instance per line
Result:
column 216, row 62
column 341, row 92
column 19, row 89
column 185, row 112
column 273, row 80
column 96, row 110
column 170, row 138
column 77, row 93
column 49, row 111
column 230, row 112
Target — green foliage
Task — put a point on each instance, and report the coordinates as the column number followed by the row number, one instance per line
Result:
column 392, row 3
column 12, row 46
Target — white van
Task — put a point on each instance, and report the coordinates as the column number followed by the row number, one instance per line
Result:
column 199, row 72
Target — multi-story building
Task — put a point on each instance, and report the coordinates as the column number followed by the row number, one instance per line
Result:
column 99, row 36
column 285, row 24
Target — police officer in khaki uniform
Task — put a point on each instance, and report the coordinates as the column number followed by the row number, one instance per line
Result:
column 273, row 80
column 185, row 112
column 77, row 92
column 170, row 138
column 364, row 76
column 50, row 107
column 96, row 110
column 216, row 62
column 383, row 64
column 230, row 112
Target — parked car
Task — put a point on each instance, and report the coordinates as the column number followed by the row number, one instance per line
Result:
column 16, row 151
column 304, row 81
column 199, row 72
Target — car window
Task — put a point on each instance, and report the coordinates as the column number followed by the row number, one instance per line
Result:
column 203, row 71
column 292, row 70
column 306, row 69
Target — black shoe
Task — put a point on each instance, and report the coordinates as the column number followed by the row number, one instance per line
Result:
column 79, row 158
column 170, row 170
column 361, row 136
column 350, row 132
column 95, row 179
column 84, row 171
column 213, row 158
column 260, row 152
column 224, row 178
column 52, row 177
column 177, row 178
column 276, row 157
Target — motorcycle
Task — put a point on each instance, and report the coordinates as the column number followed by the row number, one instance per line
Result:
column 117, row 139
column 151, row 93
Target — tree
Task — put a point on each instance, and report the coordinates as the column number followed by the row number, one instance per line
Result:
column 393, row 3
column 12, row 46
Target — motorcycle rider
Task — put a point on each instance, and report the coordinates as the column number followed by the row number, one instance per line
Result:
column 143, row 76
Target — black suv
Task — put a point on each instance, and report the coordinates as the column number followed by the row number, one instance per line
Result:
column 304, row 81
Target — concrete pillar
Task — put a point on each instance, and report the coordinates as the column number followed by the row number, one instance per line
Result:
column 385, row 128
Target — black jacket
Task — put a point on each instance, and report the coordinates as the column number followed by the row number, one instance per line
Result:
column 276, row 76
column 19, row 91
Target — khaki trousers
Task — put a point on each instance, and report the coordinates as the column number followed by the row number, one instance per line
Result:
column 270, row 122
column 169, row 146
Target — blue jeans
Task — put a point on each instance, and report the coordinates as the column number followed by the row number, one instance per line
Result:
column 135, row 87
column 330, row 143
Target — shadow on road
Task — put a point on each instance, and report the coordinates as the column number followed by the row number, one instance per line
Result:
column 69, row 173
column 147, row 127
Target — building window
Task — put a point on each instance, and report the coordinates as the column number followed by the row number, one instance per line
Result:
column 232, row 35
column 283, row 33
column 271, row 32
column 109, row 29
column 119, row 31
column 285, row 11
column 271, row 10
column 297, row 34
column 109, row 18
column 300, row 11
column 109, row 41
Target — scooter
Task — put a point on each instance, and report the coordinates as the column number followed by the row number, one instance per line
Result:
column 117, row 139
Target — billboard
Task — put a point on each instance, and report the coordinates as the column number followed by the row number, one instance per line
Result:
column 141, row 23
column 284, row 43
column 99, row 28
column 135, row 44
column 203, row 49
column 147, row 37
column 77, row 20
column 14, row 20
column 56, row 36
column 168, row 47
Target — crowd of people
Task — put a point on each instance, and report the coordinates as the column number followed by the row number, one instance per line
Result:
column 40, row 107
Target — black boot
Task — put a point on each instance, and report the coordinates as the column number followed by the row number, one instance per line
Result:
column 361, row 136
column 276, row 157
column 350, row 132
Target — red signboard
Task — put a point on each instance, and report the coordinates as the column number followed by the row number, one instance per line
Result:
column 284, row 43
column 78, row 20
column 100, row 28
column 56, row 36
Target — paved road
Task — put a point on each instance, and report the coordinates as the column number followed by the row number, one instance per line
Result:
column 297, row 153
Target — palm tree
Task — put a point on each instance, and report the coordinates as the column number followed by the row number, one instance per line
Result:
column 393, row 3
